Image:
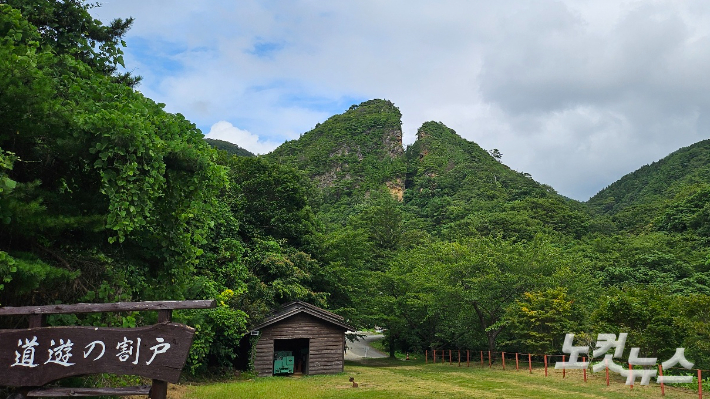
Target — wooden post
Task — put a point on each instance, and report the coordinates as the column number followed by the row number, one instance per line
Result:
column 545, row 365
column 660, row 373
column 36, row 320
column 459, row 357
column 426, row 356
column 564, row 370
column 700, row 384
column 165, row 316
column 450, row 362
column 530, row 362
column 433, row 356
column 503, row 357
column 481, row 358
column 584, row 371
column 489, row 359
column 516, row 362
column 468, row 358
column 607, row 371
column 159, row 389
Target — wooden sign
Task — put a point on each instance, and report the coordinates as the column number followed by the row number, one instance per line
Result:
column 37, row 356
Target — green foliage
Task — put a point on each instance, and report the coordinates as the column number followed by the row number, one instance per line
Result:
column 689, row 211
column 32, row 274
column 229, row 148
column 280, row 274
column 692, row 320
column 380, row 217
column 217, row 335
column 649, row 188
column 539, row 321
column 350, row 154
column 646, row 314
column 7, row 263
column 465, row 191
column 105, row 197
column 271, row 201
column 654, row 259
column 68, row 29
column 457, row 293
column 7, row 268
column 99, row 161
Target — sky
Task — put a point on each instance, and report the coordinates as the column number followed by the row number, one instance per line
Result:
column 576, row 93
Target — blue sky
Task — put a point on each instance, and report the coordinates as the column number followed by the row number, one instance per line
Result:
column 576, row 93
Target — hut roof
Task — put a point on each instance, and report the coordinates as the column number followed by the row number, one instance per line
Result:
column 292, row 308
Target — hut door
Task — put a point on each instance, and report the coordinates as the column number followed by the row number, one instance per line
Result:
column 299, row 349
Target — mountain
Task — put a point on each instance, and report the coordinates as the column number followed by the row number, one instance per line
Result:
column 451, row 185
column 643, row 198
column 440, row 162
column 230, row 148
column 461, row 189
column 351, row 154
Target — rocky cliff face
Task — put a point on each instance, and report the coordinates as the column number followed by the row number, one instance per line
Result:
column 392, row 143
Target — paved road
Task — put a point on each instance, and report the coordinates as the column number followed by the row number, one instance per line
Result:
column 360, row 348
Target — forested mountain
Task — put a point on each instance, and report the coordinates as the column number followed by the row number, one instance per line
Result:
column 229, row 148
column 104, row 196
column 462, row 190
column 653, row 196
column 350, row 155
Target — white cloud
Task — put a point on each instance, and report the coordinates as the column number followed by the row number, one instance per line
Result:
column 577, row 93
column 225, row 131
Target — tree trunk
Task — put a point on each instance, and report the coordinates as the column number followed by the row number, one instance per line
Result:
column 491, row 340
column 491, row 335
column 391, row 346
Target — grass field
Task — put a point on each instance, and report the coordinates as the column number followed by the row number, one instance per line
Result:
column 387, row 378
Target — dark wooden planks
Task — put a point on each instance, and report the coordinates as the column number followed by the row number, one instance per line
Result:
column 106, row 307
column 123, row 391
column 326, row 342
column 37, row 356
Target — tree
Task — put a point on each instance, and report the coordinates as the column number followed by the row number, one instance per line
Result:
column 646, row 313
column 271, row 201
column 539, row 321
column 67, row 27
column 382, row 219
column 491, row 273
column 692, row 322
column 99, row 165
column 689, row 212
column 495, row 153
column 457, row 292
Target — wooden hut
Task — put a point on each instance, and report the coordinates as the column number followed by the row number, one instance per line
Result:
column 315, row 336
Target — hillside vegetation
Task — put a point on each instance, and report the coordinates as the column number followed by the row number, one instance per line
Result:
column 462, row 190
column 637, row 200
column 105, row 197
column 229, row 148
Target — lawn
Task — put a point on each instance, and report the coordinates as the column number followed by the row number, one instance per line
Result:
column 387, row 378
